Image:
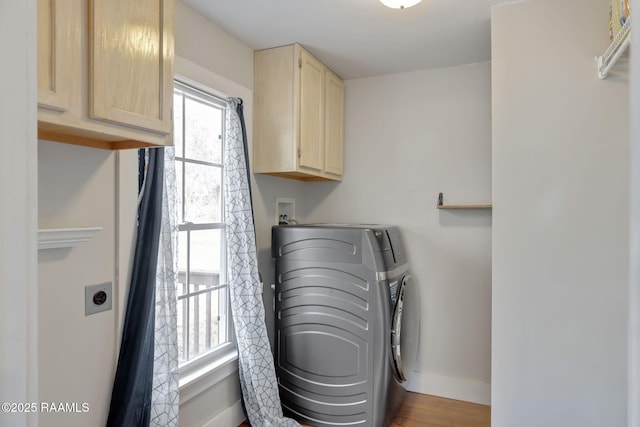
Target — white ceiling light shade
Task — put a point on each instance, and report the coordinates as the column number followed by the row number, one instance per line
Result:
column 400, row 4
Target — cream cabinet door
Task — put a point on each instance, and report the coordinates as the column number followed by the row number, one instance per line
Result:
column 131, row 63
column 311, row 152
column 334, row 125
column 57, row 28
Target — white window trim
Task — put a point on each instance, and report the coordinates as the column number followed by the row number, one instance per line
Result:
column 199, row 380
column 202, row 373
column 194, row 383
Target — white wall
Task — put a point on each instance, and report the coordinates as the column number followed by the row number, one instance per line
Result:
column 633, row 399
column 83, row 187
column 18, row 211
column 560, row 219
column 77, row 353
column 408, row 137
column 202, row 42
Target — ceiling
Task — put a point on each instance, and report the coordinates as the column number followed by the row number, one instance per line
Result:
column 361, row 38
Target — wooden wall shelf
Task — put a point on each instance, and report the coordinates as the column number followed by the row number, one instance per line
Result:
column 441, row 205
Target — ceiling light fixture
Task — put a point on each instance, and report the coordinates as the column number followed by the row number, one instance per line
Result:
column 400, row 4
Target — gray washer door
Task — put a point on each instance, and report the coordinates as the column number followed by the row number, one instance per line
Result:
column 396, row 331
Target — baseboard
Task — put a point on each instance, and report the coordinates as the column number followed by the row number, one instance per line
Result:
column 233, row 416
column 435, row 385
column 452, row 388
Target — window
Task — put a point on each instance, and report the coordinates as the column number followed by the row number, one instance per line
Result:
column 204, row 320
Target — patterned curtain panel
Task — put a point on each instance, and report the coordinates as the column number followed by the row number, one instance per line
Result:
column 257, row 373
column 164, row 398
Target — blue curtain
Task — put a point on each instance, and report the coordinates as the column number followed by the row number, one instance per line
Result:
column 131, row 395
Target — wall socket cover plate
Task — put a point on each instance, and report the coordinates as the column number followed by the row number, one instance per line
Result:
column 97, row 298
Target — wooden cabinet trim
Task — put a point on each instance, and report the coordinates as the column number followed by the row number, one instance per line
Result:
column 311, row 116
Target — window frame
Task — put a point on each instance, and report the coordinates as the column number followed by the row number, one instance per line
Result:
column 225, row 354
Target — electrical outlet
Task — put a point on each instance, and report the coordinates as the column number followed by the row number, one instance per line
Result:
column 97, row 298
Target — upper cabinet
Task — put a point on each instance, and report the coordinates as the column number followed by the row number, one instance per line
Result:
column 298, row 116
column 54, row 43
column 105, row 72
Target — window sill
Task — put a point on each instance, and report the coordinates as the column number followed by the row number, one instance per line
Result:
column 199, row 380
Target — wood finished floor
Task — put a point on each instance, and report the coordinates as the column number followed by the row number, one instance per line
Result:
column 421, row 410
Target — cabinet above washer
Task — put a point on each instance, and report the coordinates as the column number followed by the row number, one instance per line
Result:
column 298, row 116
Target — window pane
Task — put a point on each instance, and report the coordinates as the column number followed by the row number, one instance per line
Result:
column 206, row 259
column 179, row 191
column 183, row 259
column 203, row 259
column 182, row 321
column 224, row 315
column 194, row 325
column 177, row 123
column 204, row 323
column 203, row 131
column 203, row 307
column 202, row 193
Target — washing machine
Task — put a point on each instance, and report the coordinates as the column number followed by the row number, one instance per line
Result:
column 346, row 330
